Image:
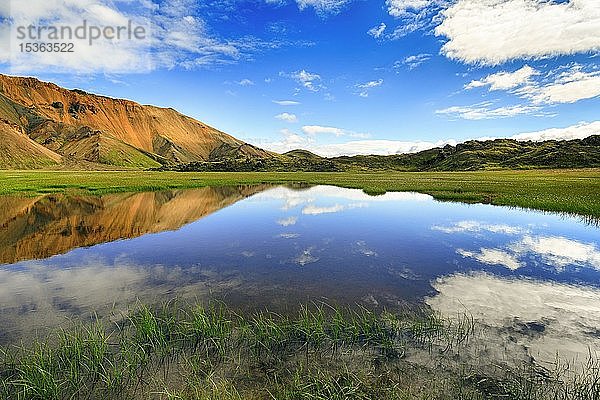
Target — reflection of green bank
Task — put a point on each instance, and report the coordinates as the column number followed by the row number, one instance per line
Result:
column 195, row 352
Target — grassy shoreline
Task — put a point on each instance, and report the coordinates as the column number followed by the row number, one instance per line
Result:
column 568, row 191
column 203, row 352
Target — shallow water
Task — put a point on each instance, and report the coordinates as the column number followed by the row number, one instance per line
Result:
column 532, row 279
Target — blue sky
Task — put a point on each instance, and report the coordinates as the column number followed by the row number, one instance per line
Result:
column 342, row 76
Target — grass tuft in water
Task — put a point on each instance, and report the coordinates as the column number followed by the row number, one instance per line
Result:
column 180, row 351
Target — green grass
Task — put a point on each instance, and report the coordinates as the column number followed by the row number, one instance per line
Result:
column 569, row 191
column 180, row 351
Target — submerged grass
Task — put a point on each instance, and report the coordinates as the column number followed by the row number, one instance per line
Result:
column 569, row 191
column 208, row 352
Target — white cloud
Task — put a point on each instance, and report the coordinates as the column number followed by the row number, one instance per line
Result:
column 287, row 221
column 103, row 55
column 559, row 251
column 495, row 31
column 578, row 131
column 414, row 61
column 323, row 7
column 555, row 251
column 377, row 31
column 315, row 210
column 569, row 314
column 399, row 8
column 306, row 257
column 380, row 147
column 493, row 257
column 485, row 111
column 505, row 80
column 471, row 226
column 358, row 198
column 289, row 235
column 287, row 117
column 175, row 36
column 308, row 80
column 318, row 130
column 363, row 249
column 566, row 84
column 413, row 15
column 364, row 88
column 569, row 86
column 289, row 141
column 286, row 102
column 246, row 82
column 292, row 141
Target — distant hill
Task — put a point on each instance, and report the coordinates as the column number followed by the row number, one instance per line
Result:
column 489, row 154
column 468, row 156
column 43, row 124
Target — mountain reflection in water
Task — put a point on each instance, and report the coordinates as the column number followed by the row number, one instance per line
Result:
column 40, row 227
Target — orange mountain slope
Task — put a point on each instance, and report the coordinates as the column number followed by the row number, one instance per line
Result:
column 82, row 126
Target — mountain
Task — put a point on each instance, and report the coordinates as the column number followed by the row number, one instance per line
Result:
column 43, row 124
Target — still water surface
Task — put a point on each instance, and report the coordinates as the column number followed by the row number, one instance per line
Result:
column 530, row 279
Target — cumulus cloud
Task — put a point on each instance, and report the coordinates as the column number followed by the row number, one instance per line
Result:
column 287, row 117
column 505, row 80
column 365, row 88
column 493, row 257
column 569, row 86
column 569, row 314
column 317, row 130
column 492, row 32
column 560, row 251
column 578, row 131
column 555, row 251
column 566, row 84
column 314, row 130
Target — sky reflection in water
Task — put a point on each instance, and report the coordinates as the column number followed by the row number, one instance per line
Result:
column 529, row 275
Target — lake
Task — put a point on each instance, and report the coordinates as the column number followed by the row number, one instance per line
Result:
column 530, row 279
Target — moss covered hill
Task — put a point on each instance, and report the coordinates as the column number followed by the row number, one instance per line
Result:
column 468, row 156
column 491, row 154
column 42, row 124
